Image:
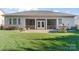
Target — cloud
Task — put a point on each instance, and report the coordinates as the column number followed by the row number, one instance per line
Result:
column 27, row 9
column 56, row 10
column 34, row 9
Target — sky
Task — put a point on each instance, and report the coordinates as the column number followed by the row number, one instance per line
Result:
column 74, row 11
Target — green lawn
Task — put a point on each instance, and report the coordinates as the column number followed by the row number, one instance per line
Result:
column 20, row 41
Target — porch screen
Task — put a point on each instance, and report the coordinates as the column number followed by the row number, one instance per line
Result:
column 30, row 23
column 51, row 23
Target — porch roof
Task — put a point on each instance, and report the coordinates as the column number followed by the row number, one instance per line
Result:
column 39, row 13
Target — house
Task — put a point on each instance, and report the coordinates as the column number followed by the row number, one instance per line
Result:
column 39, row 20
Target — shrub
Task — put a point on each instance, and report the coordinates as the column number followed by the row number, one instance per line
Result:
column 20, row 29
column 1, row 27
column 10, row 27
column 74, row 28
column 63, row 29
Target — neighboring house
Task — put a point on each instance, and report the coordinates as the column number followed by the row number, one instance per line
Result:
column 1, row 18
column 39, row 20
column 77, row 21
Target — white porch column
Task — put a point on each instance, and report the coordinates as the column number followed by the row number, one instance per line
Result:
column 46, row 23
column 35, row 24
column 17, row 21
column 57, row 23
column 23, row 22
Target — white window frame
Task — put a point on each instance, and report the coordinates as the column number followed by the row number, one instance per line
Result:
column 19, row 22
column 13, row 21
column 10, row 21
column 61, row 21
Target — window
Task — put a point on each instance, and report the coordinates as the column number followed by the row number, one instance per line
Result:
column 19, row 21
column 14, row 21
column 42, row 24
column 38, row 24
column 10, row 21
column 60, row 21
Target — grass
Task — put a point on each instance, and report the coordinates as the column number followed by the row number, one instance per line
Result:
column 19, row 41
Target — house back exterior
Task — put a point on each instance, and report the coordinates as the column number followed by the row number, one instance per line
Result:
column 39, row 20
